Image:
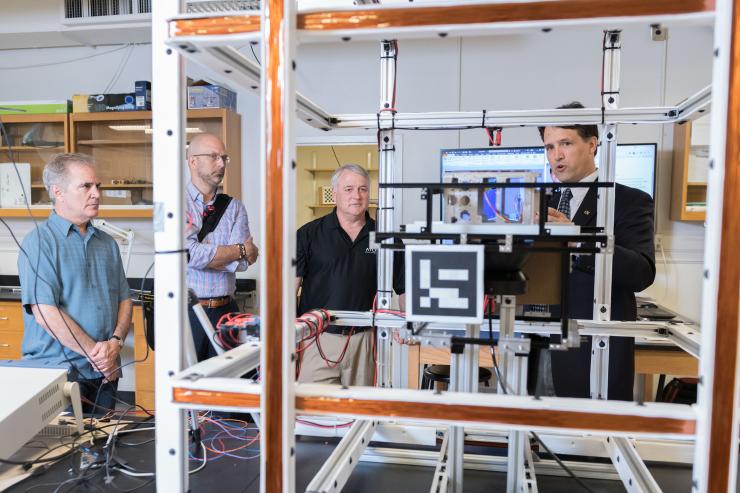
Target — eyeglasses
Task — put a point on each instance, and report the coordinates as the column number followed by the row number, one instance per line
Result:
column 214, row 156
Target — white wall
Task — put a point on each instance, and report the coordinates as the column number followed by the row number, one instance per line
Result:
column 502, row 72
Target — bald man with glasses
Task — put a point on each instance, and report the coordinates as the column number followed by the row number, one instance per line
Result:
column 218, row 237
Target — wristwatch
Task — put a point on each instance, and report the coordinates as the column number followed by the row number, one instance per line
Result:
column 242, row 251
column 120, row 341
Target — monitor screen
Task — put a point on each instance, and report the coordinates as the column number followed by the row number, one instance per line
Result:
column 635, row 166
column 494, row 159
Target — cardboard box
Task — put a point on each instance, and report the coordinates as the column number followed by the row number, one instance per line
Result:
column 79, row 103
column 204, row 95
column 12, row 192
column 116, row 197
column 143, row 92
column 33, row 107
column 111, row 102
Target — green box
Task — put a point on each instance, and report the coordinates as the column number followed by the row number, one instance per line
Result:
column 34, row 107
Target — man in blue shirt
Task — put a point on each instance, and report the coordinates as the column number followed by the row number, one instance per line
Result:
column 215, row 257
column 77, row 308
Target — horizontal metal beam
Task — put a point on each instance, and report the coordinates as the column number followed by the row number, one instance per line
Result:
column 233, row 363
column 530, row 118
column 233, row 66
column 686, row 337
column 335, row 20
column 515, row 412
column 485, row 410
column 428, row 458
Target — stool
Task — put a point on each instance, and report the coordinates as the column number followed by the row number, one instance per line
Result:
column 441, row 374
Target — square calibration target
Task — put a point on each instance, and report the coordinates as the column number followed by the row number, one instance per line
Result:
column 444, row 283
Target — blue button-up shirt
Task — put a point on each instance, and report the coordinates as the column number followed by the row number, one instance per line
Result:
column 82, row 275
column 232, row 229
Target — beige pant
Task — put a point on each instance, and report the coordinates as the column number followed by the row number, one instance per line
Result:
column 356, row 368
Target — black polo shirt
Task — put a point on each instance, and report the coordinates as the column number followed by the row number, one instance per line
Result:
column 338, row 273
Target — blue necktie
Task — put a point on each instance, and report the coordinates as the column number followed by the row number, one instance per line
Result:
column 564, row 204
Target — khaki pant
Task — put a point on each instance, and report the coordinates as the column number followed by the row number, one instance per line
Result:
column 356, row 368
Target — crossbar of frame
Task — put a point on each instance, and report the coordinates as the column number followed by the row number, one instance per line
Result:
column 489, row 410
column 337, row 469
column 239, row 69
column 461, row 120
column 632, row 470
column 468, row 17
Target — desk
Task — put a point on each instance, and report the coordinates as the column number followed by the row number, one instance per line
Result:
column 649, row 361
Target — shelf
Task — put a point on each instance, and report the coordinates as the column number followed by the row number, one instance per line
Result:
column 331, row 206
column 331, row 170
column 684, row 191
column 42, row 211
column 31, row 148
column 124, row 186
column 144, row 115
column 111, row 142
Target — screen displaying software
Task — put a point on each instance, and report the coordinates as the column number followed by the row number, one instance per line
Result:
column 635, row 163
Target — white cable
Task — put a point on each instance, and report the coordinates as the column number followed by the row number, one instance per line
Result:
column 19, row 67
column 133, row 430
column 134, row 474
column 205, row 460
column 151, row 474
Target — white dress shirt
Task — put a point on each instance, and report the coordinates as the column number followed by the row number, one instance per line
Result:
column 580, row 193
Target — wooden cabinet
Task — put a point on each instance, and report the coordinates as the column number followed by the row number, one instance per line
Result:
column 144, row 367
column 690, row 161
column 11, row 330
column 121, row 143
column 315, row 165
column 11, row 337
column 34, row 139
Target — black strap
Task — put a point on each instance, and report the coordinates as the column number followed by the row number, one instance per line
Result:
column 212, row 215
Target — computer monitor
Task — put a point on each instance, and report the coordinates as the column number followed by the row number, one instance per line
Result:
column 635, row 167
column 491, row 165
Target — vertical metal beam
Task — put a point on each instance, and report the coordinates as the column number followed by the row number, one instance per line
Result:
column 463, row 378
column 605, row 215
column 277, row 272
column 507, row 309
column 386, row 164
column 456, row 434
column 715, row 461
column 168, row 143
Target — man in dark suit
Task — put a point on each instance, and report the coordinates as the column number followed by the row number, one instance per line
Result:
column 570, row 152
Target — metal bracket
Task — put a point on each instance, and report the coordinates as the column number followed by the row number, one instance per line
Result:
column 599, row 367
column 658, row 32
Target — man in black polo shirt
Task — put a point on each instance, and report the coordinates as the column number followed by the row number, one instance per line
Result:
column 337, row 270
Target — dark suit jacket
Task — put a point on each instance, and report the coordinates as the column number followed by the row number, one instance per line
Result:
column 633, row 270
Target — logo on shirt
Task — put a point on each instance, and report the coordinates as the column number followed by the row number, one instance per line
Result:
column 371, row 251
